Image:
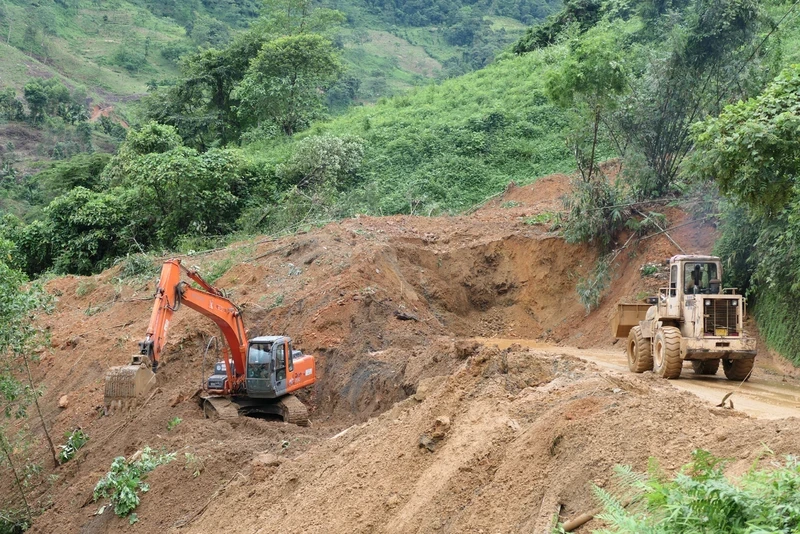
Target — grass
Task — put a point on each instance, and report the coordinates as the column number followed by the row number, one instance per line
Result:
column 445, row 147
column 77, row 44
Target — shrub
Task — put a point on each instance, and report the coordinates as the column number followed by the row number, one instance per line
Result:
column 75, row 440
column 122, row 484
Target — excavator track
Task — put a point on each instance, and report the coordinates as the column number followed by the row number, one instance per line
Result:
column 294, row 411
column 220, row 408
column 288, row 408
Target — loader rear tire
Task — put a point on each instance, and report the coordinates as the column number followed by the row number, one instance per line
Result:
column 738, row 370
column 705, row 367
column 667, row 361
column 640, row 358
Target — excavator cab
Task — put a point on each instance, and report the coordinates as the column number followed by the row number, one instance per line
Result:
column 270, row 360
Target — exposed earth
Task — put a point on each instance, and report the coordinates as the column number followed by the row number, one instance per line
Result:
column 498, row 403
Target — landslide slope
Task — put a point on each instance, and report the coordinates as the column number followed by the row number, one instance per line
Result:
column 521, row 432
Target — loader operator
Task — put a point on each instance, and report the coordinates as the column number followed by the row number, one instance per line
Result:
column 698, row 278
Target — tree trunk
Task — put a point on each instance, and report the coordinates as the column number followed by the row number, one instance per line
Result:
column 39, row 411
column 6, row 446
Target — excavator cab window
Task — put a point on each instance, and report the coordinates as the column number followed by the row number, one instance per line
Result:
column 291, row 357
column 258, row 360
column 280, row 363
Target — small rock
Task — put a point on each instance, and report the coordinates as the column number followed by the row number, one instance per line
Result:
column 426, row 442
column 179, row 398
column 63, row 402
column 268, row 459
column 393, row 500
column 513, row 425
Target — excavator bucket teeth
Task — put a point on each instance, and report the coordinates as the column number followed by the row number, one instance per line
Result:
column 126, row 385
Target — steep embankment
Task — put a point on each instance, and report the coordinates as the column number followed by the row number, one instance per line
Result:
column 505, row 435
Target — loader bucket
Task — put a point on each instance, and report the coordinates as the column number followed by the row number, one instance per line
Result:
column 127, row 384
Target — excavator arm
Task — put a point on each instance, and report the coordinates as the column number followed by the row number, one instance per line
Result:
column 127, row 383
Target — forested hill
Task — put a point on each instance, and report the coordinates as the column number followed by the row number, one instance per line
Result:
column 265, row 132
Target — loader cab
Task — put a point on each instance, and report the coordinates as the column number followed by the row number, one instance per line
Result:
column 689, row 275
column 269, row 359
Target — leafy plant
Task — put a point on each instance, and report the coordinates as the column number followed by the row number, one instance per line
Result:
column 546, row 217
column 194, row 464
column 700, row 498
column 172, row 423
column 591, row 288
column 122, row 484
column 648, row 269
column 75, row 440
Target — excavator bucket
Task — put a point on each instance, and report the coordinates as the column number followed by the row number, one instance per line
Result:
column 127, row 384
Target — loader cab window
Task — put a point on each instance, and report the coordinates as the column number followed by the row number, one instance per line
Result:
column 280, row 362
column 258, row 358
column 698, row 277
column 673, row 281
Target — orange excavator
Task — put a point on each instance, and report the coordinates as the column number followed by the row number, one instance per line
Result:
column 255, row 376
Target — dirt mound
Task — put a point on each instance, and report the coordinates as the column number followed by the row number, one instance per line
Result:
column 388, row 306
column 495, row 447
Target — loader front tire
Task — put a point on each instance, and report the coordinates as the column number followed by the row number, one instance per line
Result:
column 640, row 358
column 667, row 361
column 705, row 367
column 738, row 370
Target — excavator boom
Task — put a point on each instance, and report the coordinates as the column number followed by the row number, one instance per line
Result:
column 127, row 384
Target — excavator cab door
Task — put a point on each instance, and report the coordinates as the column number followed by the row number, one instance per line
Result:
column 280, row 359
column 261, row 370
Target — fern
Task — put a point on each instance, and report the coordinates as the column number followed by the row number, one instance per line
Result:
column 701, row 499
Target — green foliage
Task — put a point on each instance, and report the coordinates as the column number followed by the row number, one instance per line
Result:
column 13, row 521
column 324, row 159
column 700, row 498
column 596, row 212
column 136, row 267
column 583, row 13
column 283, row 81
column 590, row 78
column 591, row 288
column 85, row 230
column 648, row 269
column 82, row 170
column 753, row 147
column 546, row 217
column 75, row 440
column 122, row 484
column 173, row 423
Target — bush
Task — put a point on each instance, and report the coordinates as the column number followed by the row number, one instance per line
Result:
column 125, row 480
column 596, row 212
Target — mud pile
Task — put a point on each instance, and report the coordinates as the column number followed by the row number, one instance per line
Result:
column 440, row 433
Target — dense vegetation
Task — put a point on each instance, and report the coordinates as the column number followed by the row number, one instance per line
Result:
column 241, row 140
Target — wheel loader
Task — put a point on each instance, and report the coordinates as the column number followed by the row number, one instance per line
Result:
column 256, row 376
column 693, row 319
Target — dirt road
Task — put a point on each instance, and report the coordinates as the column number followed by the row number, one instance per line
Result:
column 764, row 396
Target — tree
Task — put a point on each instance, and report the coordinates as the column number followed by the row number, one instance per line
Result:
column 284, row 82
column 708, row 59
column 205, row 104
column 752, row 150
column 590, row 78
column 18, row 337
